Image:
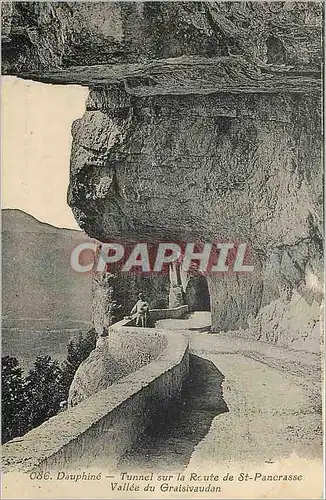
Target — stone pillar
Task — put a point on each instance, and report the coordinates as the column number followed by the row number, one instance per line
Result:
column 103, row 303
column 176, row 295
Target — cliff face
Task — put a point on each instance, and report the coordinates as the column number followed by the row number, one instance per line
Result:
column 203, row 121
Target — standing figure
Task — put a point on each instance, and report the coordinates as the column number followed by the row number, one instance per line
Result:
column 141, row 308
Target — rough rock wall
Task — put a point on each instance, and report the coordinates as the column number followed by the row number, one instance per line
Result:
column 125, row 290
column 254, row 177
column 203, row 121
column 241, row 167
column 122, row 353
column 241, row 46
column 292, row 323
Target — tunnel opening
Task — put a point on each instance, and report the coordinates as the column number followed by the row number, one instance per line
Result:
column 276, row 53
column 197, row 295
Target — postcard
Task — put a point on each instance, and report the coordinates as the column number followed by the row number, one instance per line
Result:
column 162, row 249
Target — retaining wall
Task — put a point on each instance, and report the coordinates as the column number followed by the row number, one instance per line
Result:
column 98, row 431
column 155, row 314
column 175, row 313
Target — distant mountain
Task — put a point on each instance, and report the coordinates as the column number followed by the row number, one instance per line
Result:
column 40, row 291
column 18, row 221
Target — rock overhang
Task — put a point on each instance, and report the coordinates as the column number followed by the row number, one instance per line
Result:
column 160, row 44
column 203, row 122
column 195, row 117
column 171, row 168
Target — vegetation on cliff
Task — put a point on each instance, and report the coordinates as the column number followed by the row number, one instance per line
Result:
column 29, row 401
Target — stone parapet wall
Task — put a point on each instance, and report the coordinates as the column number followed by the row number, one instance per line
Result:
column 175, row 313
column 99, row 430
column 155, row 314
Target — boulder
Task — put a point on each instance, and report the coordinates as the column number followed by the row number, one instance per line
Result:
column 121, row 353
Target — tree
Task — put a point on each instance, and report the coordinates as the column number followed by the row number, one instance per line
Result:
column 27, row 403
column 43, row 390
column 78, row 351
column 13, row 422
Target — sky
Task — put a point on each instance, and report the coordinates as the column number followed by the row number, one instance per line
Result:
column 36, row 143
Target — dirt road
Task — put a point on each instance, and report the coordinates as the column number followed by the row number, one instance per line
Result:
column 270, row 407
